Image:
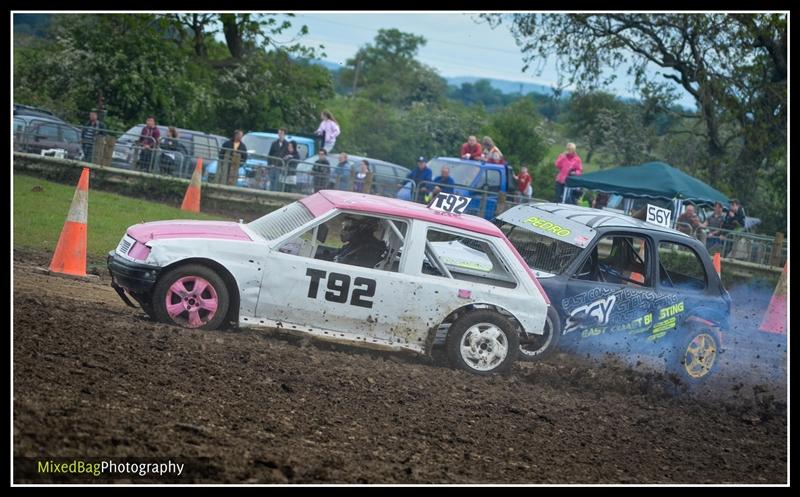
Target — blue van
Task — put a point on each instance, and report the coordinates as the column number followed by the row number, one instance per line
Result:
column 258, row 143
column 477, row 175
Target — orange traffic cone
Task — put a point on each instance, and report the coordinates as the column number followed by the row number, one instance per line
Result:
column 717, row 264
column 776, row 316
column 191, row 201
column 70, row 255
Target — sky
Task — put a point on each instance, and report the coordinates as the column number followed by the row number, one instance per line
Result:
column 457, row 45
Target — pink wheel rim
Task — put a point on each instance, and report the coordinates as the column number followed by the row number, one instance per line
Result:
column 191, row 302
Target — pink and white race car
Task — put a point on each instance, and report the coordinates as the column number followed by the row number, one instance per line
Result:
column 348, row 267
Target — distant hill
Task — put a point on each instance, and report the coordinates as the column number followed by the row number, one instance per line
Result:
column 506, row 86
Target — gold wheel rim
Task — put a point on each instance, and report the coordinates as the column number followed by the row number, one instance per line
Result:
column 700, row 355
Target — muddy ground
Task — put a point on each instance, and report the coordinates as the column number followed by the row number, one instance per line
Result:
column 94, row 378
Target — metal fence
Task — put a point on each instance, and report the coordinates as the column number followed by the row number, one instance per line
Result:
column 177, row 157
column 740, row 245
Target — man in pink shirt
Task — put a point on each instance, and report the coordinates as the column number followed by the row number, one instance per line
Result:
column 567, row 163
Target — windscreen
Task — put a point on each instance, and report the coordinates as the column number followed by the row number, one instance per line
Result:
column 540, row 252
column 463, row 174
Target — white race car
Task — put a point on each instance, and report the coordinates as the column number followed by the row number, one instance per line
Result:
column 341, row 266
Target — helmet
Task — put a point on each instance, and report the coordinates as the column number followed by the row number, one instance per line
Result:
column 354, row 227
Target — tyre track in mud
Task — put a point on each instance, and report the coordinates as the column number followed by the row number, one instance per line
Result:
column 94, row 378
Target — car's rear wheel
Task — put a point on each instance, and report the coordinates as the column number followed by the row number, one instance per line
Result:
column 694, row 356
column 482, row 342
column 191, row 296
column 537, row 347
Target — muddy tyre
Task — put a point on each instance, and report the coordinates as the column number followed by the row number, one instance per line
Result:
column 482, row 342
column 538, row 347
column 191, row 296
column 694, row 355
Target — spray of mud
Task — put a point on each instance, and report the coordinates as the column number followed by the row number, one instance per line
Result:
column 751, row 372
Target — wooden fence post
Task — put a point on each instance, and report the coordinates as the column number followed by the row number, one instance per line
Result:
column 777, row 250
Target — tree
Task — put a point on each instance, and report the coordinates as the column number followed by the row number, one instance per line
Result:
column 200, row 27
column 583, row 118
column 515, row 131
column 135, row 64
column 733, row 65
column 387, row 71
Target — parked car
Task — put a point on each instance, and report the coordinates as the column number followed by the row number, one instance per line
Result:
column 341, row 266
column 33, row 134
column 29, row 110
column 258, row 144
column 197, row 144
column 387, row 177
column 621, row 284
column 476, row 175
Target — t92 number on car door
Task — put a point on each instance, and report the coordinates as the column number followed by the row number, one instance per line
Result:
column 338, row 288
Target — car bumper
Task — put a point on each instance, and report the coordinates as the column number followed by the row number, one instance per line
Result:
column 135, row 277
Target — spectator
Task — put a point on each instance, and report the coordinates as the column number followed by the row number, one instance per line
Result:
column 329, row 130
column 277, row 150
column 291, row 152
column 420, row 175
column 689, row 222
column 491, row 153
column 340, row 175
column 321, row 170
column 444, row 179
column 172, row 144
column 567, row 163
column 233, row 155
column 734, row 219
column 524, row 184
column 148, row 141
column 601, row 200
column 471, row 150
column 290, row 158
column 91, row 130
column 361, row 176
column 584, row 198
column 715, row 223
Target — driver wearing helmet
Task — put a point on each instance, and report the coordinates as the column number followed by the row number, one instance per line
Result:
column 360, row 248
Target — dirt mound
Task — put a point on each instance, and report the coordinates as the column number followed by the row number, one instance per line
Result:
column 94, row 378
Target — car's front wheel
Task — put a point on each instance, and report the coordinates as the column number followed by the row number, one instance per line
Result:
column 482, row 342
column 537, row 347
column 191, row 296
column 694, row 355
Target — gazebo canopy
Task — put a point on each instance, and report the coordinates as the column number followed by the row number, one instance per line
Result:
column 653, row 180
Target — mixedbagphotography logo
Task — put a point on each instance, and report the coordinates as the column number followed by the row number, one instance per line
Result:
column 31, row 469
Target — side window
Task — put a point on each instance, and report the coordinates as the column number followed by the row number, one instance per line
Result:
column 202, row 146
column 680, row 267
column 48, row 132
column 384, row 171
column 70, row 135
column 352, row 239
column 493, row 180
column 618, row 259
column 512, row 183
column 302, row 151
column 19, row 126
column 450, row 255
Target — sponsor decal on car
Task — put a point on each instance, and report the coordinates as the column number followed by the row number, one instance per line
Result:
column 548, row 226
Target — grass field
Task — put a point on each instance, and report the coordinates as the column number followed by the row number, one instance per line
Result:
column 39, row 215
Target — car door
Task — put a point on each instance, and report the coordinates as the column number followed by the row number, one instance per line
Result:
column 685, row 286
column 71, row 141
column 45, row 135
column 612, row 295
column 304, row 290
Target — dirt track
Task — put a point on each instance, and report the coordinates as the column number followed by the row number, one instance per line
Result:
column 94, row 378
